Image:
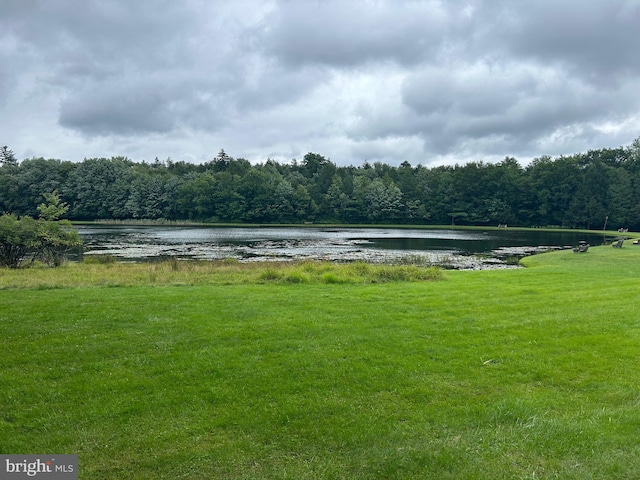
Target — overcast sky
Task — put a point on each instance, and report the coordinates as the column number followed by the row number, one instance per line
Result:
column 430, row 82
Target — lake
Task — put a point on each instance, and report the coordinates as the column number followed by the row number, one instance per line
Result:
column 452, row 248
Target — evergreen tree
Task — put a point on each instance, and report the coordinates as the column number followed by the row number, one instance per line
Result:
column 7, row 157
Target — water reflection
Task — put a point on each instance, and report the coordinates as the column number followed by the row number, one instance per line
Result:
column 453, row 248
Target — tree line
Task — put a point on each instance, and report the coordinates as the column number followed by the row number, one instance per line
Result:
column 587, row 190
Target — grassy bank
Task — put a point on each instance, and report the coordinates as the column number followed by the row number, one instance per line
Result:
column 528, row 373
column 225, row 272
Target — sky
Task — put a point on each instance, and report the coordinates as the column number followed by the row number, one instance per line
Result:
column 428, row 82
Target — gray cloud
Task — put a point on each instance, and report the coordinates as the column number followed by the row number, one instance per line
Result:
column 598, row 37
column 479, row 101
column 341, row 33
column 114, row 109
column 382, row 80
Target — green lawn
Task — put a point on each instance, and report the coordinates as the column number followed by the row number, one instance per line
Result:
column 300, row 374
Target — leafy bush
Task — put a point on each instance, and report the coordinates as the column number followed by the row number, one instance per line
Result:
column 17, row 238
column 46, row 239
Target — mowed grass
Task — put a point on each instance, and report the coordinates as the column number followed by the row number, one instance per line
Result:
column 528, row 373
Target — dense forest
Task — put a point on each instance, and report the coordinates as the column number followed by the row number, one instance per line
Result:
column 586, row 190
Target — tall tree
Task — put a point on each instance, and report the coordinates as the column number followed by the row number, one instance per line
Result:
column 101, row 188
column 622, row 209
column 7, row 157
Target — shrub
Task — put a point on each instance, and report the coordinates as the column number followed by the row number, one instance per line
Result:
column 17, row 238
column 46, row 240
column 54, row 240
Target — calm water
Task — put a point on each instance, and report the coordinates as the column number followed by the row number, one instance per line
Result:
column 456, row 248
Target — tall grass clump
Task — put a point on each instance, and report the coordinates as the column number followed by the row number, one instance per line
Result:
column 385, row 273
column 296, row 277
column 99, row 259
column 415, row 259
column 271, row 274
column 174, row 263
column 333, row 277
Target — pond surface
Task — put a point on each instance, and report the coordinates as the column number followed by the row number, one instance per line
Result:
column 455, row 248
